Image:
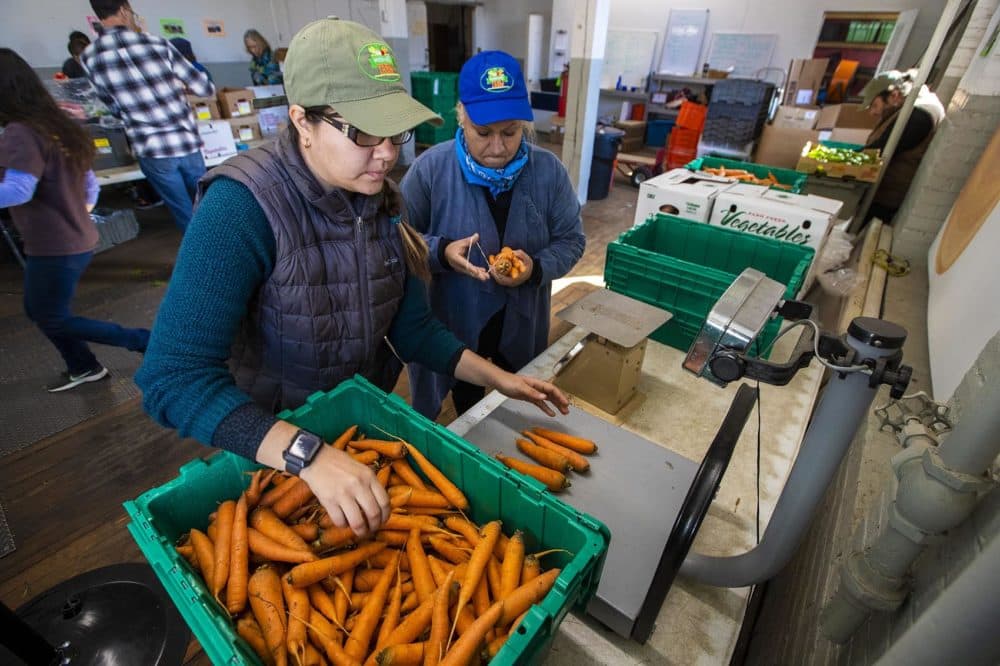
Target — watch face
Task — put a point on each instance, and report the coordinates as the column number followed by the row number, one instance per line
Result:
column 304, row 446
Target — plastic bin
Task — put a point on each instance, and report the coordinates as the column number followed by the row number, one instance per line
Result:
column 159, row 516
column 794, row 179
column 692, row 116
column 607, row 141
column 684, row 267
column 657, row 132
column 439, row 92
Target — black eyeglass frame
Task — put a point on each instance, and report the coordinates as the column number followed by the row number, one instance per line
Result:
column 353, row 133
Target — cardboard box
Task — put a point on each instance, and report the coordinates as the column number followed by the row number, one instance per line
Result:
column 217, row 139
column 801, row 117
column 679, row 192
column 847, row 135
column 245, row 128
column 793, row 218
column 866, row 172
column 631, row 144
column 264, row 92
column 782, row 146
column 846, row 116
column 205, row 108
column 804, row 79
column 235, row 102
column 272, row 120
column 634, row 129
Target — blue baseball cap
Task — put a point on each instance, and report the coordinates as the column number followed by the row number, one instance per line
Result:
column 491, row 88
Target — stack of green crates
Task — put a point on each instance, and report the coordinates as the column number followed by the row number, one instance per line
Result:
column 793, row 179
column 684, row 267
column 439, row 92
column 161, row 515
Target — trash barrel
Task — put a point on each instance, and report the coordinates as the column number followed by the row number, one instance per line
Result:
column 607, row 140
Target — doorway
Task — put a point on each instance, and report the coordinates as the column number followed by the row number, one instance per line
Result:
column 449, row 35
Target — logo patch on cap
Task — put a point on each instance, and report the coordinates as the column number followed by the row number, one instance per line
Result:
column 496, row 80
column 377, row 61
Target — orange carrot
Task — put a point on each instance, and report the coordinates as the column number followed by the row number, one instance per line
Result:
column 410, row 654
column 268, row 605
column 417, row 497
column 383, row 475
column 308, row 531
column 416, row 622
column 494, row 647
column 291, row 501
column 381, row 560
column 187, row 552
column 312, row 656
column 477, row 566
column 423, row 581
column 254, row 490
column 204, row 550
column 313, row 572
column 550, row 459
column 524, row 596
column 265, row 521
column 365, row 457
column 439, row 624
column 365, row 580
column 272, row 550
column 342, row 596
column 223, row 547
column 364, row 628
column 466, row 647
column 578, row 444
column 324, row 634
column 297, row 602
column 576, row 461
column 408, row 475
column 513, row 561
column 239, row 560
column 320, row 600
column 438, row 479
column 552, row 479
column 333, row 537
column 249, row 630
column 480, row 598
column 341, row 442
column 392, row 614
column 448, row 550
column 398, row 521
column 531, row 569
column 397, row 538
column 493, row 576
column 389, row 448
column 275, row 493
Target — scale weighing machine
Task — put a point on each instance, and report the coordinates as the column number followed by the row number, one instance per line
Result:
column 654, row 500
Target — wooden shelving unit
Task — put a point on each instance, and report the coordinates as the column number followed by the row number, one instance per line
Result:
column 860, row 36
column 848, row 46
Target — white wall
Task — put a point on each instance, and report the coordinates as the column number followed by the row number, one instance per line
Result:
column 39, row 30
column 796, row 23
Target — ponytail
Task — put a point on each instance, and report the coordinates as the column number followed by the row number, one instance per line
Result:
column 416, row 252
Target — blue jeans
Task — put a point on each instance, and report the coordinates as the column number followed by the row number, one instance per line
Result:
column 49, row 285
column 175, row 179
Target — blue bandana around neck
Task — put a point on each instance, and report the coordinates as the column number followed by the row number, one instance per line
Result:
column 497, row 180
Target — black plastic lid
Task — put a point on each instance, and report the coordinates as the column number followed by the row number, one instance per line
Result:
column 877, row 332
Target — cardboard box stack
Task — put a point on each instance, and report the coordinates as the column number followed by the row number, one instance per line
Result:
column 245, row 128
column 847, row 123
column 271, row 107
column 781, row 142
column 235, row 102
column 679, row 192
column 205, row 108
column 635, row 133
column 804, row 79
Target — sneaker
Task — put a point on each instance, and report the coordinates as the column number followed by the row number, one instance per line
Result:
column 72, row 381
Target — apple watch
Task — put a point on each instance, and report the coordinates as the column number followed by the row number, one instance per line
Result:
column 301, row 451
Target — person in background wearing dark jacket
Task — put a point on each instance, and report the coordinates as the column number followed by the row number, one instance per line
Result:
column 264, row 69
column 47, row 183
column 150, row 101
column 884, row 97
column 183, row 47
column 72, row 68
column 299, row 270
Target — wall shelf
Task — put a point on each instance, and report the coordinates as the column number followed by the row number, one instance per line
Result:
column 847, row 46
column 625, row 94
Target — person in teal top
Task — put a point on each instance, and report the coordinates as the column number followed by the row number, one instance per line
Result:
column 299, row 270
column 264, row 69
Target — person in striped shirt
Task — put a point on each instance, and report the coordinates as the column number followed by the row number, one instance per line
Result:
column 142, row 79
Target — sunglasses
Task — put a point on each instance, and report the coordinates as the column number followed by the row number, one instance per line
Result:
column 366, row 140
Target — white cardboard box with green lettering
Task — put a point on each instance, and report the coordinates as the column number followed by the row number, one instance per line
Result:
column 679, row 192
column 793, row 218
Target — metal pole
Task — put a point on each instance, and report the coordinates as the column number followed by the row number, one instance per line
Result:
column 937, row 39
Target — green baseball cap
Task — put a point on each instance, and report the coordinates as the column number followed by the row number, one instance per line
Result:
column 344, row 65
column 879, row 85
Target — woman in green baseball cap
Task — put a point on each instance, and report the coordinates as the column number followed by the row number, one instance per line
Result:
column 299, row 270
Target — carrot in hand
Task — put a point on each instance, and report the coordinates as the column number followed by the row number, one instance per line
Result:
column 555, row 481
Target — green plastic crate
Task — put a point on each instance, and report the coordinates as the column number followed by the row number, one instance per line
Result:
column 160, row 515
column 841, row 144
column 795, row 180
column 684, row 267
column 439, row 92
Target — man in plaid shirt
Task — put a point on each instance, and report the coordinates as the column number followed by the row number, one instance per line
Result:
column 142, row 78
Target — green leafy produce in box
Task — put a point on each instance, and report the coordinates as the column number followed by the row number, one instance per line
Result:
column 841, row 156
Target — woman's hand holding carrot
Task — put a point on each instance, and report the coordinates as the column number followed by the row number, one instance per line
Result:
column 348, row 490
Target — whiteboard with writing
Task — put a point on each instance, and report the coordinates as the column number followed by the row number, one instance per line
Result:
column 628, row 54
column 682, row 44
column 746, row 53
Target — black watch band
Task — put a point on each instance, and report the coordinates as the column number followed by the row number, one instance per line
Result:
column 301, row 451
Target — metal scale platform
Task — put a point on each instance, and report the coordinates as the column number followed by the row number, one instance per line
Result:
column 635, row 487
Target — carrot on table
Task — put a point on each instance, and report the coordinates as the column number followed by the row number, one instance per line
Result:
column 268, row 606
column 466, row 647
column 265, row 521
column 553, row 480
column 543, row 456
column 239, row 560
column 578, row 444
column 313, row 572
column 272, row 550
column 577, row 461
column 438, row 479
column 223, row 545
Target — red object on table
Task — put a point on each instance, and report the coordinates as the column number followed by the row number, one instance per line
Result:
column 563, row 87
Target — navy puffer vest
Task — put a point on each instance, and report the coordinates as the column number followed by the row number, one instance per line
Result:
column 338, row 278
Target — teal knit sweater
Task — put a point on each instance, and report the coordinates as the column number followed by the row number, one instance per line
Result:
column 227, row 253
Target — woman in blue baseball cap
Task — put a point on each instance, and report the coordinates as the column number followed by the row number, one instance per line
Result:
column 487, row 189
